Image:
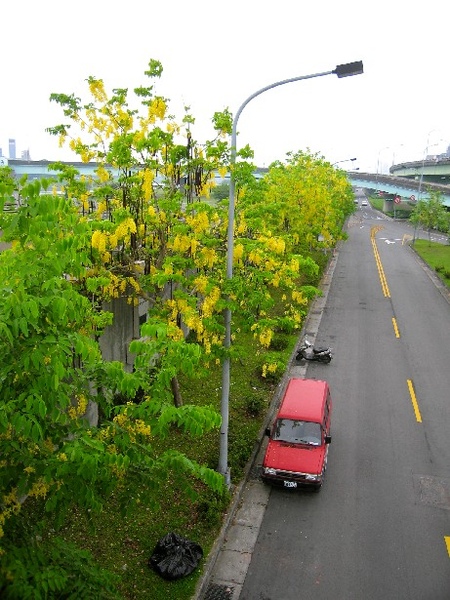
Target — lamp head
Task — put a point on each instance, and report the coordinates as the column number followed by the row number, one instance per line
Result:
column 349, row 69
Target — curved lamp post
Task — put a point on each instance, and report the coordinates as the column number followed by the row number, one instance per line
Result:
column 342, row 161
column 345, row 70
column 425, row 153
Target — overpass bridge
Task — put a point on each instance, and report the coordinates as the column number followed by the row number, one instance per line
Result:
column 411, row 181
column 409, row 190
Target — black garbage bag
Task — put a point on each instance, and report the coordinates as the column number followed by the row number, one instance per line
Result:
column 175, row 557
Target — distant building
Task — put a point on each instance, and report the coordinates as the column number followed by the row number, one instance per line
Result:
column 25, row 155
column 12, row 148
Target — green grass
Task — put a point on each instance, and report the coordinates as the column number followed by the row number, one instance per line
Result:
column 437, row 256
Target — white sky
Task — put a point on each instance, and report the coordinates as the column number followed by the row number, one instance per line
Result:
column 216, row 54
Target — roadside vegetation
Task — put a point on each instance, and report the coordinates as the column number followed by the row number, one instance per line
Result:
column 100, row 460
column 437, row 256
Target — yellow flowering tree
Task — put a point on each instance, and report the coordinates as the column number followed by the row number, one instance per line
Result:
column 150, row 239
column 309, row 199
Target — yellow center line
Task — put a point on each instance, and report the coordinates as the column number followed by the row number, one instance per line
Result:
column 447, row 543
column 384, row 285
column 414, row 401
column 396, row 330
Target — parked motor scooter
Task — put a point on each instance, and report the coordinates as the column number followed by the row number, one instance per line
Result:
column 308, row 352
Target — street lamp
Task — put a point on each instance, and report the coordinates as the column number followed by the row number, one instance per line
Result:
column 425, row 154
column 345, row 160
column 345, row 70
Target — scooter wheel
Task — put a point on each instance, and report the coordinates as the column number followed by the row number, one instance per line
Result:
column 326, row 359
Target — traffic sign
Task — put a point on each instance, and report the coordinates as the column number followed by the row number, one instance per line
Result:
column 412, row 198
column 397, row 200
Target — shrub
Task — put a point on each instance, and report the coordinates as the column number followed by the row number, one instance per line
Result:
column 271, row 368
column 211, row 506
column 255, row 405
column 279, row 342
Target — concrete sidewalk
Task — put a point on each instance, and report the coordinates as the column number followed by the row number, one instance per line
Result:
column 224, row 574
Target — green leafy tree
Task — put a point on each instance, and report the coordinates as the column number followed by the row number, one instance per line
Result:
column 431, row 214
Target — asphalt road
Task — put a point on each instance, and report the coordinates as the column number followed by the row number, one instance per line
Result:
column 379, row 528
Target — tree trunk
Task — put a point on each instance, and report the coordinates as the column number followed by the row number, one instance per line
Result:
column 178, row 400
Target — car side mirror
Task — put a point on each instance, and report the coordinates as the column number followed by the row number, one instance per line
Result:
column 267, row 431
column 328, row 439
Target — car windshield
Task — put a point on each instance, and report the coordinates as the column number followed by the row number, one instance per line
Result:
column 298, row 432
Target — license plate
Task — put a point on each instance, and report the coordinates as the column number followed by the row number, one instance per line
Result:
column 290, row 484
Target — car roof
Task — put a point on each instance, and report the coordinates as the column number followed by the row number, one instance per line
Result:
column 303, row 400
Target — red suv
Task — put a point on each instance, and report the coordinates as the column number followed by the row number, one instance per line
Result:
column 297, row 451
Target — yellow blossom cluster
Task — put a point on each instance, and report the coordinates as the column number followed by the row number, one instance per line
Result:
column 78, row 409
column 102, row 174
column 294, row 265
column 269, row 369
column 157, row 109
column 99, row 240
column 210, row 302
column 83, row 151
column 242, row 227
column 173, row 128
column 299, row 298
column 265, row 337
column 255, row 257
column 270, row 265
column 201, row 283
column 104, row 241
column 208, row 257
column 147, row 183
column 97, row 89
column 134, row 427
column 101, row 208
column 181, row 243
column 125, row 228
column 10, row 506
column 84, row 199
column 199, row 222
column 117, row 286
column 124, row 119
column 180, row 306
column 276, row 245
column 7, row 435
column 238, row 253
column 39, row 489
